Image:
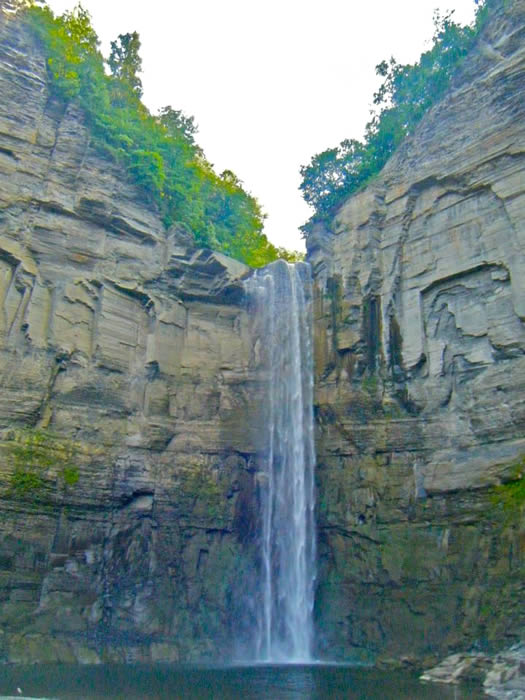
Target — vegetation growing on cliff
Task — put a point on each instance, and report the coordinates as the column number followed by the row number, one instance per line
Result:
column 158, row 151
column 510, row 496
column 32, row 453
column 406, row 93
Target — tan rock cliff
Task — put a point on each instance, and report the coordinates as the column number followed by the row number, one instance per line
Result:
column 130, row 389
column 126, row 448
column 420, row 351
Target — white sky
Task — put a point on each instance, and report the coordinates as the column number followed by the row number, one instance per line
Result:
column 270, row 82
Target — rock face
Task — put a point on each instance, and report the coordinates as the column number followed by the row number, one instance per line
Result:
column 420, row 362
column 131, row 385
column 126, row 408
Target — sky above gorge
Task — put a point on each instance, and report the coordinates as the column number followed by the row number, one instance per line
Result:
column 270, row 83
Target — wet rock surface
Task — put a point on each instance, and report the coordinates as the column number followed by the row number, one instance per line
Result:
column 420, row 376
column 502, row 675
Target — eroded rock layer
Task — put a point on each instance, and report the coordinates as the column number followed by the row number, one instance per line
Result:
column 127, row 391
column 130, row 385
column 420, row 356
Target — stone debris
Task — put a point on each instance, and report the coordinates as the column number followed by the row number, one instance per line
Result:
column 502, row 675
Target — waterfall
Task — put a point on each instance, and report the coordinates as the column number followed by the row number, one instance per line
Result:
column 280, row 297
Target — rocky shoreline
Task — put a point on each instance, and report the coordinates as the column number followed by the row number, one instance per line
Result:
column 502, row 675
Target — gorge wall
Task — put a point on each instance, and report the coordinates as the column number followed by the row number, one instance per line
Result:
column 131, row 381
column 127, row 451
column 420, row 366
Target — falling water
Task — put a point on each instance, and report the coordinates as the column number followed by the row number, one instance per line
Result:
column 281, row 296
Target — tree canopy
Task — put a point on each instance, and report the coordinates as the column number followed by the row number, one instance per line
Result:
column 125, row 62
column 406, row 93
column 158, row 152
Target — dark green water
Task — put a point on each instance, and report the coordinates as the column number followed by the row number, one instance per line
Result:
column 247, row 683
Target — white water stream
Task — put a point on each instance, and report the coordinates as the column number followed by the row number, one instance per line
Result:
column 281, row 297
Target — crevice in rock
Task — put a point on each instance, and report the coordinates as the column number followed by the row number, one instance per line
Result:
column 9, row 153
column 371, row 331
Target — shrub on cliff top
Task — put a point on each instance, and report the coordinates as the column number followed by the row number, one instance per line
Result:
column 406, row 93
column 158, row 151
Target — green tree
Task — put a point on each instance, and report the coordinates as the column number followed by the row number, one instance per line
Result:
column 177, row 123
column 331, row 172
column 159, row 152
column 125, row 62
column 72, row 46
column 406, row 93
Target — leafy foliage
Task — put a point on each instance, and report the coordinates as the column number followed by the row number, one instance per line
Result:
column 511, row 495
column 125, row 62
column 406, row 93
column 33, row 453
column 158, row 151
column 176, row 122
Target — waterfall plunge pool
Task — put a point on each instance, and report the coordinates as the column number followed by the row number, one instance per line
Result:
column 268, row 682
column 280, row 298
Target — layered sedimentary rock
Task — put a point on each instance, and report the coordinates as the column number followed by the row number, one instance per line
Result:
column 127, row 393
column 130, row 385
column 502, row 675
column 420, row 357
